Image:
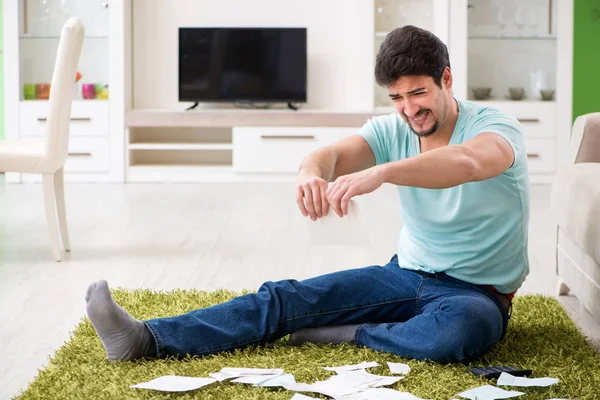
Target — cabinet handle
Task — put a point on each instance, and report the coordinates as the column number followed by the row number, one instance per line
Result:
column 528, row 120
column 76, row 119
column 550, row 17
column 533, row 155
column 25, row 17
column 287, row 137
column 80, row 154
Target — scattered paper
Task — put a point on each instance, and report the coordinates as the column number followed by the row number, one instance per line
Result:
column 220, row 376
column 172, row 383
column 232, row 373
column 362, row 380
column 489, row 392
column 254, row 379
column 353, row 367
column 345, row 383
column 280, row 380
column 399, row 368
column 323, row 387
column 266, row 380
column 509, row 380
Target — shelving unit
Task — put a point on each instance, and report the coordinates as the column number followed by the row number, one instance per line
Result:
column 226, row 145
column 203, row 148
column 96, row 145
column 518, row 44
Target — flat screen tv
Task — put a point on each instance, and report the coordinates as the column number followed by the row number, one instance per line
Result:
column 242, row 64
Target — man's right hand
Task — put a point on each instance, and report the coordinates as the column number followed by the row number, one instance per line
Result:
column 310, row 195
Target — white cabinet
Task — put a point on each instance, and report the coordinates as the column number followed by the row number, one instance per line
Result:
column 88, row 118
column 96, row 148
column 279, row 150
column 511, row 55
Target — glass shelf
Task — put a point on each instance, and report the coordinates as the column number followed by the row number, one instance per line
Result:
column 57, row 37
column 489, row 37
column 511, row 44
column 392, row 14
column 40, row 24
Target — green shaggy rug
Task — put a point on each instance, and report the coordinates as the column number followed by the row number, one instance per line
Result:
column 541, row 337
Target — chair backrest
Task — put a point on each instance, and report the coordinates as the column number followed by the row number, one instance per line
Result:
column 585, row 139
column 61, row 95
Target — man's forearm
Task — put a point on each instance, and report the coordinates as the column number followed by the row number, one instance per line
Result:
column 320, row 162
column 441, row 168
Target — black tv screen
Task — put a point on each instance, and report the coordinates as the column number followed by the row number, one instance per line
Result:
column 242, row 64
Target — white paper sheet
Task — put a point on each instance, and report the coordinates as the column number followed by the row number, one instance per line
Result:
column 506, row 379
column 172, row 383
column 399, row 368
column 253, row 379
column 362, row 380
column 266, row 380
column 323, row 387
column 353, row 367
column 280, row 380
column 489, row 392
column 221, row 376
column 381, row 394
column 350, row 230
column 232, row 373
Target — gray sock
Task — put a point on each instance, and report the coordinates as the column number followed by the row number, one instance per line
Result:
column 123, row 337
column 326, row 334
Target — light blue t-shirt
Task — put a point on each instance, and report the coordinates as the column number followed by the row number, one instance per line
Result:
column 475, row 232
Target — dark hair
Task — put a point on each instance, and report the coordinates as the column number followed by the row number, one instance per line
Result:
column 409, row 50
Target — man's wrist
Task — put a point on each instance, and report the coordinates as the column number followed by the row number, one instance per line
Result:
column 383, row 171
column 309, row 172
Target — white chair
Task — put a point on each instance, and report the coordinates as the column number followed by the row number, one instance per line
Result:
column 47, row 156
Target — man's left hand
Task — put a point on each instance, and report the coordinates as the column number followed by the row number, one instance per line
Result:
column 345, row 187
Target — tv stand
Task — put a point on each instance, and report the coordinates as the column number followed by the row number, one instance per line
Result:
column 291, row 106
column 192, row 106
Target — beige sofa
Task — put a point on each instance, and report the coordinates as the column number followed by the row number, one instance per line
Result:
column 576, row 207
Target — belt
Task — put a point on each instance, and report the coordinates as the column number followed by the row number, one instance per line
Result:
column 502, row 298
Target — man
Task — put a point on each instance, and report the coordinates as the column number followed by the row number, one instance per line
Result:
column 461, row 172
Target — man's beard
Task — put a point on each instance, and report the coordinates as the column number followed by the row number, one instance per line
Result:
column 428, row 132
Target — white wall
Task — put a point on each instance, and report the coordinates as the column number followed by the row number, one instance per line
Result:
column 340, row 45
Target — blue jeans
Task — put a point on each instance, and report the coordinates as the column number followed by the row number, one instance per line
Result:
column 412, row 314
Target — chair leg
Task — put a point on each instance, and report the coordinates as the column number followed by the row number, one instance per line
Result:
column 50, row 202
column 59, row 188
column 562, row 289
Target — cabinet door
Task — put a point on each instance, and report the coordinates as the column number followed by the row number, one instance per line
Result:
column 1, row 92
column 40, row 24
column 504, row 50
column 1, row 75
column 431, row 15
column 279, row 150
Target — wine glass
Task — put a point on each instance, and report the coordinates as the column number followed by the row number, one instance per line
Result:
column 519, row 19
column 534, row 20
column 501, row 19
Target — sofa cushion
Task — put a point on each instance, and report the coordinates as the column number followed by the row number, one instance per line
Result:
column 576, row 205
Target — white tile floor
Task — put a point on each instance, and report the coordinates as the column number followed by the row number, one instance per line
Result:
column 203, row 236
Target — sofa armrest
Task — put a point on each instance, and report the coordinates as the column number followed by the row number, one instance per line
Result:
column 585, row 139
